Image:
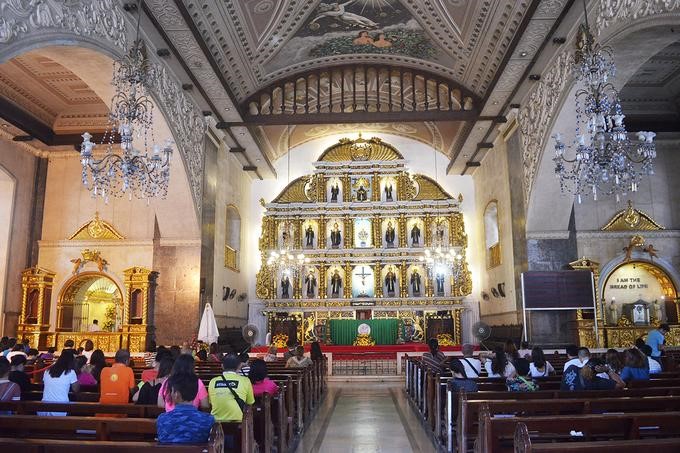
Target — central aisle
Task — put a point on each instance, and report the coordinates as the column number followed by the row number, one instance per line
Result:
column 365, row 417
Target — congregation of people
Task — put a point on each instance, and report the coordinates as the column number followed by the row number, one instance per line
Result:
column 170, row 382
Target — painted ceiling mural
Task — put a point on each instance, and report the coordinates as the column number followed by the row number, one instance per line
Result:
column 359, row 27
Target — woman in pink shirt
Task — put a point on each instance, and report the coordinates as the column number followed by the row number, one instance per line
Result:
column 258, row 377
column 184, row 364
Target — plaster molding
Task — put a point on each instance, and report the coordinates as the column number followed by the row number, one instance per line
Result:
column 597, row 234
column 71, row 244
column 614, row 12
column 171, row 242
column 37, row 152
column 558, row 234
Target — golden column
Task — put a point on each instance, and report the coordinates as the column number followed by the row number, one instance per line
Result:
column 377, row 232
column 403, row 289
column 296, row 287
column 375, row 195
column 140, row 287
column 36, row 290
column 346, row 188
column 402, row 230
column 377, row 274
column 322, row 231
column 349, row 234
column 429, row 290
column 321, row 192
column 457, row 325
column 275, row 233
column 297, row 232
column 322, row 281
column 428, row 230
column 347, row 289
column 586, row 327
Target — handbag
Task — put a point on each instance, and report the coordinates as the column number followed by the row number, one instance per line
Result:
column 520, row 384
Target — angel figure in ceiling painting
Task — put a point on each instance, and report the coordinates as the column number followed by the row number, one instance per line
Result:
column 337, row 10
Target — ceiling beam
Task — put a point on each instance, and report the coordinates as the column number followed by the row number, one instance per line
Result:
column 652, row 123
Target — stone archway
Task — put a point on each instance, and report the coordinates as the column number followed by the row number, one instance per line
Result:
column 86, row 297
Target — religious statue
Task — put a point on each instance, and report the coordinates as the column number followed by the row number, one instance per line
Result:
column 336, row 284
column 390, row 235
column 613, row 312
column 336, row 236
column 415, row 282
column 440, row 233
column 310, row 282
column 440, row 284
column 285, row 287
column 284, row 238
column 362, row 194
column 415, row 235
column 388, row 192
column 335, row 191
column 390, row 282
column 658, row 314
column 309, row 237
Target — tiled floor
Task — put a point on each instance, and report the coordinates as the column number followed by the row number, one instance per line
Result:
column 365, row 418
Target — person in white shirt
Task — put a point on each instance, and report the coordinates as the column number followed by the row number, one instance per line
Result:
column 88, row 350
column 539, row 367
column 582, row 357
column 499, row 366
column 94, row 327
column 654, row 365
column 473, row 367
column 16, row 350
column 59, row 380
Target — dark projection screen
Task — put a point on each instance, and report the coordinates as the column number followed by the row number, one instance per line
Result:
column 557, row 290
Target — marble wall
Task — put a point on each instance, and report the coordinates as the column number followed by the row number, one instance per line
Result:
column 21, row 165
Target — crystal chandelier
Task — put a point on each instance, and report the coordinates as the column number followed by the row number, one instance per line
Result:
column 285, row 261
column 604, row 160
column 141, row 173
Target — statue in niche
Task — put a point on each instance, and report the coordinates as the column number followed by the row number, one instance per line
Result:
column 309, row 237
column 613, row 312
column 335, row 191
column 390, row 282
column 440, row 233
column 440, row 284
column 415, row 235
column 310, row 282
column 285, row 238
column 336, row 284
column 415, row 283
column 362, row 194
column 390, row 235
column 285, row 287
column 336, row 236
column 658, row 314
column 388, row 192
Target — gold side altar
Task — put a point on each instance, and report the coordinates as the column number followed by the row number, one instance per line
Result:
column 362, row 222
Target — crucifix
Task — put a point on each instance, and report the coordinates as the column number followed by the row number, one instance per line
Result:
column 363, row 276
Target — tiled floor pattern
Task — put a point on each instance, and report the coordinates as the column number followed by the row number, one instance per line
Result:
column 365, row 418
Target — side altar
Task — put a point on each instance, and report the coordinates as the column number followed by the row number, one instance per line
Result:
column 357, row 231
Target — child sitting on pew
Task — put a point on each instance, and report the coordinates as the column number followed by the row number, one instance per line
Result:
column 185, row 424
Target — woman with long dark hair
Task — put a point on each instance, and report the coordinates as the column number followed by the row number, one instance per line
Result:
column 539, row 367
column 315, row 351
column 499, row 366
column 258, row 377
column 97, row 364
column 184, row 365
column 149, row 390
column 636, row 367
column 59, row 379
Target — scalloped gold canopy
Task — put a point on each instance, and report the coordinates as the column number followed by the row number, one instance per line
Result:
column 347, row 150
column 632, row 219
column 96, row 229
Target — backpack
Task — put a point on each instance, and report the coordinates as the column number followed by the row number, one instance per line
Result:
column 521, row 384
column 148, row 394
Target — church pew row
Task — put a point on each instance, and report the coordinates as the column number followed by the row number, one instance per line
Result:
column 57, row 433
column 496, row 434
column 523, row 444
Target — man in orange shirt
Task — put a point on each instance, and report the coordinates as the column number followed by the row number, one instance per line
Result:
column 118, row 381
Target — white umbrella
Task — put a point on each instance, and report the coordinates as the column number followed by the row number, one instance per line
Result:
column 207, row 331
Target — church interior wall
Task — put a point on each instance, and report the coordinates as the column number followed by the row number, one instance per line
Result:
column 20, row 164
column 233, row 190
column 419, row 159
column 492, row 183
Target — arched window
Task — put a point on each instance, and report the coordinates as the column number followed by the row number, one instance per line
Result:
column 232, row 238
column 492, row 235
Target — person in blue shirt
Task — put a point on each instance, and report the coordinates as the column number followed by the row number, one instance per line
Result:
column 635, row 366
column 656, row 339
column 185, row 424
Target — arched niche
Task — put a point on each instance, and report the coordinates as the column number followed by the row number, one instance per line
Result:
column 88, row 296
column 632, row 43
column 492, row 235
column 232, row 238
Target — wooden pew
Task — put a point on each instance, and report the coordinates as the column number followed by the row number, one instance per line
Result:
column 522, row 444
column 81, row 409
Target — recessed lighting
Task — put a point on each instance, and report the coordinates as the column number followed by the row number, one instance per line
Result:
column 480, row 128
column 241, row 133
column 495, row 102
column 523, row 53
column 466, row 155
column 258, row 160
column 227, row 109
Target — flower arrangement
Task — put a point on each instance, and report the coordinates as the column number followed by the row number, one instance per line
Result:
column 364, row 339
column 280, row 340
column 110, row 321
column 445, row 339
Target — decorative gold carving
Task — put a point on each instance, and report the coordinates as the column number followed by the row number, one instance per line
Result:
column 88, row 255
column 428, row 230
column 406, row 189
column 377, row 274
column 42, row 280
column 360, row 149
column 263, row 282
column 296, row 192
column 230, row 258
column 347, row 289
column 322, row 232
column 639, row 242
column 363, row 339
column 375, row 195
column 445, row 339
column 346, row 188
column 632, row 219
column 624, row 322
column 377, row 232
column 429, row 189
column 349, row 232
column 457, row 230
column 403, row 288
column 96, row 229
column 402, row 230
column 322, row 281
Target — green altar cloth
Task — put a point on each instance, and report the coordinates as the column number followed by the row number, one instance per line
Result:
column 383, row 331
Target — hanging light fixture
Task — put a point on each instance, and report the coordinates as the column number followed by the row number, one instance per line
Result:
column 604, row 160
column 285, row 260
column 140, row 173
column 439, row 258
